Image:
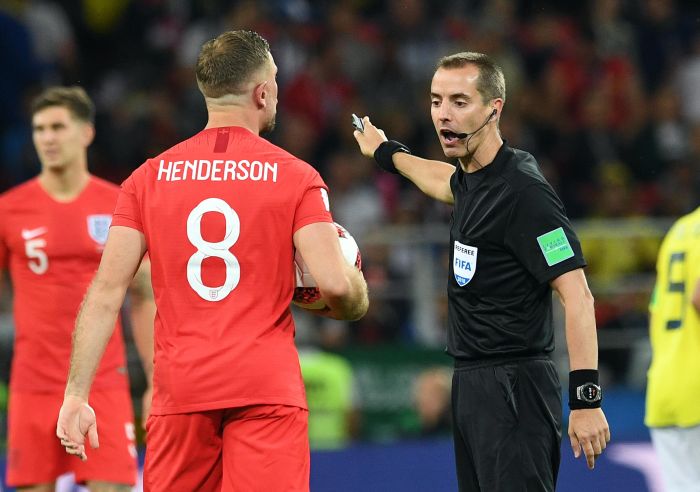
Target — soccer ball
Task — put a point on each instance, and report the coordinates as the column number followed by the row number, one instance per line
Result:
column 306, row 294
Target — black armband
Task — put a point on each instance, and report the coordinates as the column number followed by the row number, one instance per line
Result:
column 584, row 391
column 385, row 152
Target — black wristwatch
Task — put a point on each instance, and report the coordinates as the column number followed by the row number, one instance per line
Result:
column 589, row 393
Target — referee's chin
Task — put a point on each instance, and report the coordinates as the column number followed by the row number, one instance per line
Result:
column 454, row 152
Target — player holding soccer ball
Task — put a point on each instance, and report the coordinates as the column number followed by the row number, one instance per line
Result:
column 52, row 232
column 221, row 215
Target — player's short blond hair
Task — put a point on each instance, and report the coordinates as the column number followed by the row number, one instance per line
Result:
column 228, row 61
column 73, row 98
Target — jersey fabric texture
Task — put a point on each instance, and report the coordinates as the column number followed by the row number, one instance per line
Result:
column 52, row 250
column 509, row 237
column 218, row 212
column 674, row 375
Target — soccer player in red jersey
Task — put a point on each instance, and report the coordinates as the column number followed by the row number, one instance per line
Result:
column 220, row 214
column 52, row 233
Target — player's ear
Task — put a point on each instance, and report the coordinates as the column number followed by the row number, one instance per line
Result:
column 88, row 134
column 260, row 95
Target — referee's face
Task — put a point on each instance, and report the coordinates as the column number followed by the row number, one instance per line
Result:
column 457, row 107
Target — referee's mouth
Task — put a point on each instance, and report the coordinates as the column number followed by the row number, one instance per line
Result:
column 449, row 137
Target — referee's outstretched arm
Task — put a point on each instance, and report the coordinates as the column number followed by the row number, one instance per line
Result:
column 588, row 427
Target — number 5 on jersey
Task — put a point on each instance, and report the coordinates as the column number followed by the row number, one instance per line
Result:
column 38, row 259
column 676, row 285
column 206, row 249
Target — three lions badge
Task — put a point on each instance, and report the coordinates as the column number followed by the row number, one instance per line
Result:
column 98, row 227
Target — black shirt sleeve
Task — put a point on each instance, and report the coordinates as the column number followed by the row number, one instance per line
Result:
column 540, row 235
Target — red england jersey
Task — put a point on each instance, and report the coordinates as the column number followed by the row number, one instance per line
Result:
column 218, row 212
column 52, row 250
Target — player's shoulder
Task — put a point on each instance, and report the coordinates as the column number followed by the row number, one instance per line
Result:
column 693, row 218
column 20, row 192
column 102, row 185
column 288, row 159
column 686, row 228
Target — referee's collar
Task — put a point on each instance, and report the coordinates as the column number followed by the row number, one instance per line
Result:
column 503, row 155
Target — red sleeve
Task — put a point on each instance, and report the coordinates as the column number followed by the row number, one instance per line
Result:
column 4, row 253
column 127, row 211
column 314, row 205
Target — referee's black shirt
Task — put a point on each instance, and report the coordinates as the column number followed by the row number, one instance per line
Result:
column 509, row 237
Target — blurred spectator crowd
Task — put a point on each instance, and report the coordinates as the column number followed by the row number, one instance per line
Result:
column 604, row 93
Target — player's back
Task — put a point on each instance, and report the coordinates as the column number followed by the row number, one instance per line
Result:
column 674, row 380
column 219, row 212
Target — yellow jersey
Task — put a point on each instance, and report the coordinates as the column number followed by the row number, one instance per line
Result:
column 673, row 387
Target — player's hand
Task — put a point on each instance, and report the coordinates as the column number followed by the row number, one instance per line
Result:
column 588, row 431
column 75, row 420
column 370, row 139
column 146, row 405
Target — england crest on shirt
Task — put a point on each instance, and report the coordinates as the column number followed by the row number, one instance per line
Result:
column 464, row 263
column 98, row 227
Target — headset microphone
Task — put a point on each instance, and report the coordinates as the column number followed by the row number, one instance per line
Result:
column 462, row 136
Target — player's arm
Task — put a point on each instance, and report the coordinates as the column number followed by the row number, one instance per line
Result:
column 96, row 320
column 431, row 177
column 696, row 297
column 588, row 427
column 342, row 285
column 143, row 311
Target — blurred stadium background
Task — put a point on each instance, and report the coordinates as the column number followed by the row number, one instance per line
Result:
column 605, row 93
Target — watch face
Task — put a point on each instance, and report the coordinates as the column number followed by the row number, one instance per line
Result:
column 589, row 392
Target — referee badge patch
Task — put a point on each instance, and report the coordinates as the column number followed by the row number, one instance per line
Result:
column 555, row 246
column 464, row 264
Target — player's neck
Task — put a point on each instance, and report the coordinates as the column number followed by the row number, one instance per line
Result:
column 227, row 117
column 483, row 155
column 64, row 184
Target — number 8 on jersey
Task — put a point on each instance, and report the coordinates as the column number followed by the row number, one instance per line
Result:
column 206, row 249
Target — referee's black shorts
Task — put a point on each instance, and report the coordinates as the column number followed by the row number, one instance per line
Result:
column 507, row 417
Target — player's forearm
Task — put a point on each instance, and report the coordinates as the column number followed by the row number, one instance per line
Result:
column 431, row 177
column 696, row 297
column 143, row 310
column 352, row 301
column 142, row 316
column 93, row 329
column 581, row 336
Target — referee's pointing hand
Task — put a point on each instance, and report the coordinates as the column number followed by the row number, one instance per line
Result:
column 588, row 431
column 370, row 139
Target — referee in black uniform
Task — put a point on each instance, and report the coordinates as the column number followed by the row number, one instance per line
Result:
column 510, row 245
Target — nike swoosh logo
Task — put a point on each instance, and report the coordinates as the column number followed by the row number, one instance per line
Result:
column 28, row 234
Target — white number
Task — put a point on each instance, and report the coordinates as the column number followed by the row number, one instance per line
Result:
column 205, row 249
column 38, row 260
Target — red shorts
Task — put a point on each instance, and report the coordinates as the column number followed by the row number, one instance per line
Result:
column 255, row 448
column 35, row 455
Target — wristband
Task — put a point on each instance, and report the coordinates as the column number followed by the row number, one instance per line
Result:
column 584, row 391
column 384, row 154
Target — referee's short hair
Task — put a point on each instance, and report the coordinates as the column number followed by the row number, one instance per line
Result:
column 73, row 98
column 491, row 83
column 228, row 61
